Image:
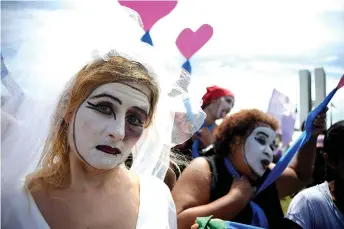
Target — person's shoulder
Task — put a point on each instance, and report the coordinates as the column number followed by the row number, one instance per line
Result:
column 308, row 200
column 198, row 166
column 312, row 195
column 299, row 211
column 308, row 205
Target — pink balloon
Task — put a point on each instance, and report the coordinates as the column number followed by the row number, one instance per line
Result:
column 189, row 42
column 150, row 11
column 341, row 82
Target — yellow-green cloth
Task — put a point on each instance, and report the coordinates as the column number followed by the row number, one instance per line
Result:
column 207, row 223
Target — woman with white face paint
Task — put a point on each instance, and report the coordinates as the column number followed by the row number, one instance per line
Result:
column 82, row 182
column 247, row 140
column 117, row 104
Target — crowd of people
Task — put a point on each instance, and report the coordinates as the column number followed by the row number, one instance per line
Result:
column 204, row 187
column 89, row 175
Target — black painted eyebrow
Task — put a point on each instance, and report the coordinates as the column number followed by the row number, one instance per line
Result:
column 102, row 95
column 263, row 134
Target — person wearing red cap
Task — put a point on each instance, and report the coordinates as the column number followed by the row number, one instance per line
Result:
column 217, row 103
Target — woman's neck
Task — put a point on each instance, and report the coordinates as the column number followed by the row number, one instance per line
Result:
column 83, row 177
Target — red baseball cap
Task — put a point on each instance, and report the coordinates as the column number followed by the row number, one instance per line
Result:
column 213, row 93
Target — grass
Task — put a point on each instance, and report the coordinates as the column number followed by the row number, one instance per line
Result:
column 285, row 203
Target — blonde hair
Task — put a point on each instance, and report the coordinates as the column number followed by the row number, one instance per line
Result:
column 54, row 164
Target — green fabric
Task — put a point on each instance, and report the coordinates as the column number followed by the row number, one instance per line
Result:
column 207, row 223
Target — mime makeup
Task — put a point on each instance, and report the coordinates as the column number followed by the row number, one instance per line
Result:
column 109, row 122
column 226, row 104
column 258, row 149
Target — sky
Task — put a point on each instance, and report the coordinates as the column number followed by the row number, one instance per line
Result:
column 257, row 45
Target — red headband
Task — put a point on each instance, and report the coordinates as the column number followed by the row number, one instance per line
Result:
column 214, row 93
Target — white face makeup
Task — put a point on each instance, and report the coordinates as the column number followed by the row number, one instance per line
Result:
column 109, row 123
column 226, row 104
column 258, row 149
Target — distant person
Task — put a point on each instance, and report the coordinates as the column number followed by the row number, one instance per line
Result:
column 217, row 103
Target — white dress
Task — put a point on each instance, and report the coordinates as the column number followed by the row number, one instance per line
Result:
column 157, row 209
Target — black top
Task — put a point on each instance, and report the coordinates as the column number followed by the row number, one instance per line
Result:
column 268, row 199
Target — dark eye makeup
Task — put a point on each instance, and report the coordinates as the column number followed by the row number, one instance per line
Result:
column 102, row 107
column 134, row 120
column 261, row 140
column 106, row 108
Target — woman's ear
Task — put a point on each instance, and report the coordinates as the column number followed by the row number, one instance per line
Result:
column 328, row 162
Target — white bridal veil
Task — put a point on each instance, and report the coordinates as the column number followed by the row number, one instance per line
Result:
column 60, row 43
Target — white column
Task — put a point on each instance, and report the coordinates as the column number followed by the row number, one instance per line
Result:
column 305, row 95
column 320, row 85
